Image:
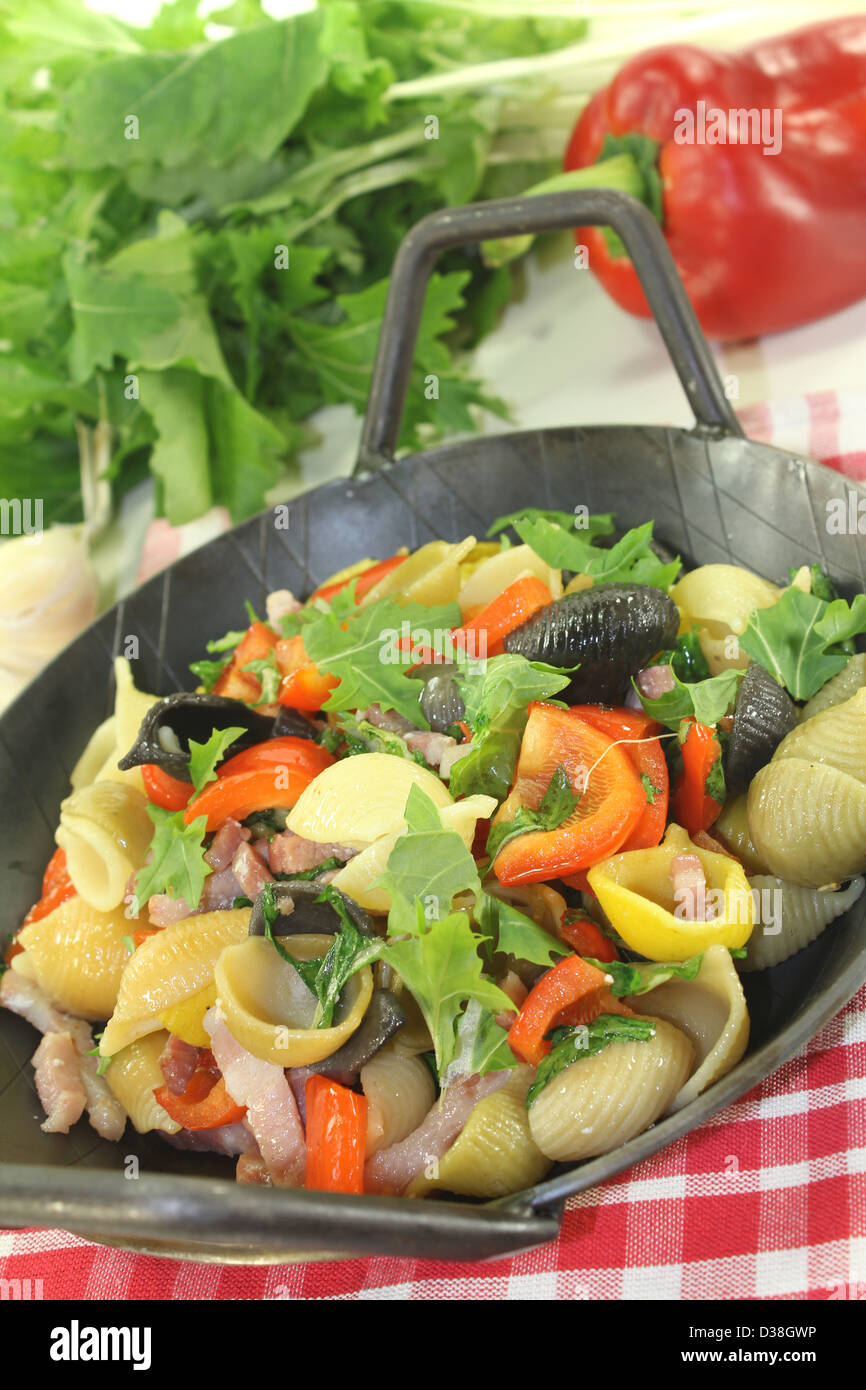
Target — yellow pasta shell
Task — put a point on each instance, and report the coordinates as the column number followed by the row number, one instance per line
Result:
column 133, row 1075
column 431, row 575
column 106, row 833
column 130, row 707
column 167, row 969
column 365, row 869
column 400, row 1093
column 711, row 1011
column 796, row 917
column 808, row 822
column 269, row 1009
column 836, row 736
column 600, row 1102
column 100, row 746
column 636, row 892
column 77, row 956
column 495, row 574
column 358, row 800
column 718, row 599
column 839, row 688
column 495, row 1154
column 185, row 1020
column 732, row 828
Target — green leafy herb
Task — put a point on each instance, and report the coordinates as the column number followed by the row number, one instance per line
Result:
column 556, row 806
column 204, row 757
column 307, row 875
column 360, row 736
column 226, row 643
column 362, row 648
column 177, row 865
column 481, row 1045
column 326, row 976
column 705, row 700
column 651, row 791
column 510, row 931
column 251, row 612
column 208, row 672
column 686, row 658
column 715, row 785
column 589, row 526
column 103, row 1063
column 426, row 869
column 268, row 674
column 799, row 640
column 128, row 943
column 242, row 901
column 638, row 978
column 632, row 560
column 821, row 585
column 572, row 1044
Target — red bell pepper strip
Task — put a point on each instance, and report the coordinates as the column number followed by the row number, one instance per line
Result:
column 649, row 762
column 57, row 888
column 692, row 808
column 336, row 1136
column 572, row 992
column 610, row 803
column 141, row 934
column 483, row 635
column 790, row 193
column 586, row 937
column 287, row 751
column 365, row 580
column 205, row 1104
column 245, row 792
column 163, row 790
column 237, row 684
column 304, row 686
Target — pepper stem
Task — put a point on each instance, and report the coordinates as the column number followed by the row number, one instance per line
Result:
column 627, row 163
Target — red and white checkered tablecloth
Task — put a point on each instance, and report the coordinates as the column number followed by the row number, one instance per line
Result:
column 767, row 1200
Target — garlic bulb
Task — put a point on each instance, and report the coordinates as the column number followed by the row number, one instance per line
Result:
column 48, row 593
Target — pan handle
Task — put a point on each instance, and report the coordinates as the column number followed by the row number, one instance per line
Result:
column 547, row 212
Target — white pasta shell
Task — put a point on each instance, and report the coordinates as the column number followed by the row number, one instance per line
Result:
column 130, row 707
column 106, row 833
column 166, row 969
column 77, row 956
column 359, row 875
column 796, row 917
column 495, row 1154
column 600, row 1102
column 719, row 599
column 133, row 1075
column 711, row 1011
column 400, row 1092
column 839, row 688
column 100, row 746
column 836, row 736
column 358, row 800
column 807, row 822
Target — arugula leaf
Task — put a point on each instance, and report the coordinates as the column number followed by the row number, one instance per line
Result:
column 442, row 969
column 488, row 768
column 177, row 864
column 203, row 757
column 360, row 648
column 556, row 806
column 266, row 671
column 631, row 560
column 651, row 791
column 481, row 1045
column 596, row 524
column 631, row 978
column 706, row 700
column 799, row 639
column 587, row 1040
column 715, row 786
column 686, row 658
column 822, row 585
column 208, row 672
column 227, row 643
column 308, row 874
column 360, row 736
column 426, row 869
column 509, row 930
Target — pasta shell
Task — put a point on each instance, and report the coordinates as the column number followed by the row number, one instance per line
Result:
column 495, row 1154
column 130, row 707
column 719, row 599
column 796, row 917
column 101, row 744
column 133, row 1075
column 166, row 969
column 839, row 688
column 496, row 573
column 807, row 822
column 430, row 575
column 358, row 800
column 269, row 1009
column 77, row 956
column 836, row 736
column 732, row 828
column 106, row 833
column 711, row 1011
column 400, row 1092
column 600, row 1102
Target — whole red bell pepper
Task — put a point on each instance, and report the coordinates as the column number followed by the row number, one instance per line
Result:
column 767, row 230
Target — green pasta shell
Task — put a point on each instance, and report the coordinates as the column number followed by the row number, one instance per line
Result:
column 836, row 736
column 797, row 917
column 840, row 688
column 807, row 821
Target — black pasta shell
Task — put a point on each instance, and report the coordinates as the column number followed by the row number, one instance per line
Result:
column 611, row 630
column 304, row 914
column 384, row 1017
column 193, row 716
column 763, row 714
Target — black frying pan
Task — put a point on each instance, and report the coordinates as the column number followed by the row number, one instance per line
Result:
column 714, row 496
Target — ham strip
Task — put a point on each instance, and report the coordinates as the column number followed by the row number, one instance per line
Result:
column 272, row 1113
column 225, row 1139
column 292, row 854
column 690, row 889
column 433, row 747
column 58, row 1082
column 24, row 997
column 178, row 1061
column 250, row 871
column 654, row 681
column 392, row 1169
column 225, row 844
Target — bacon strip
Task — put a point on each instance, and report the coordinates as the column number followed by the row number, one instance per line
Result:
column 58, row 1082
